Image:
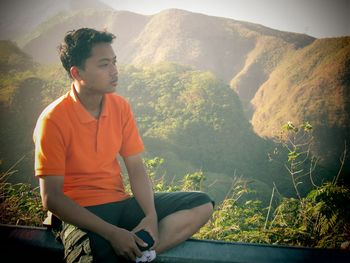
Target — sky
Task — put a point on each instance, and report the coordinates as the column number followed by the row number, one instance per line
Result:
column 317, row 18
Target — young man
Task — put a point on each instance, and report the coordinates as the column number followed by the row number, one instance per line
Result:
column 77, row 139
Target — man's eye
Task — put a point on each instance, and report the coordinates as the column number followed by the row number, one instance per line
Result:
column 103, row 65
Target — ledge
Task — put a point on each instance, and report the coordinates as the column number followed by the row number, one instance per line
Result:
column 38, row 243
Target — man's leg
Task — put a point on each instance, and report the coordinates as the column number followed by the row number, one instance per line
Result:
column 179, row 226
column 102, row 250
column 180, row 215
column 76, row 244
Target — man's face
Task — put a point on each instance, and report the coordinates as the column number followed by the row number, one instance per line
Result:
column 100, row 74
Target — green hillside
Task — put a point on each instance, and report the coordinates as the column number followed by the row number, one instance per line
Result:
column 190, row 109
column 12, row 59
column 195, row 121
column 15, row 65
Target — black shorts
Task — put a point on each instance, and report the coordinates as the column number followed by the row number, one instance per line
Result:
column 125, row 214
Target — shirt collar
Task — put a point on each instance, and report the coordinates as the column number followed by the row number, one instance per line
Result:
column 83, row 115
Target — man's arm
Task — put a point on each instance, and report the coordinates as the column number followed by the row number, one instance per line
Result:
column 53, row 199
column 141, row 187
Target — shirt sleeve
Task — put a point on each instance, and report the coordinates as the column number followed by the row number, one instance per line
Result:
column 49, row 149
column 131, row 140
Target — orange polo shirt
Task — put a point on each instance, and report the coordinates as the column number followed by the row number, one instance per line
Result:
column 69, row 141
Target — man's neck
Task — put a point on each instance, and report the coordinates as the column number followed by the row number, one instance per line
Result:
column 92, row 102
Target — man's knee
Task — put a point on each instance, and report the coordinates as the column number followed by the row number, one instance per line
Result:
column 204, row 211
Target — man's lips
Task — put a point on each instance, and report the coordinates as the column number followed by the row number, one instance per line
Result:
column 115, row 80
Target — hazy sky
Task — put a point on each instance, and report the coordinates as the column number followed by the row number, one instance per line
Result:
column 318, row 18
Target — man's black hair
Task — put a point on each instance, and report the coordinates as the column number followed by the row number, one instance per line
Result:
column 78, row 44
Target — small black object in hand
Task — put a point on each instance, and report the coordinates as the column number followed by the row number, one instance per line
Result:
column 146, row 237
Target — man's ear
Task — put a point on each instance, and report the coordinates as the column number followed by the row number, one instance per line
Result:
column 74, row 72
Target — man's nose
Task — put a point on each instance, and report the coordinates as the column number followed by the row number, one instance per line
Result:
column 114, row 70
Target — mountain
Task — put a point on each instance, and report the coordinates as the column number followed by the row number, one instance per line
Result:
column 208, row 43
column 13, row 59
column 18, row 17
column 42, row 43
column 311, row 84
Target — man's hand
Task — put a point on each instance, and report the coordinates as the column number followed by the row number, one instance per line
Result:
column 125, row 243
column 150, row 224
column 141, row 187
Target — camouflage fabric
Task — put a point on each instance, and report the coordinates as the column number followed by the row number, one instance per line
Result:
column 76, row 244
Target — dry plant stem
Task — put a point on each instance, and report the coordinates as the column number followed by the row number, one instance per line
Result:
column 270, row 205
column 342, row 161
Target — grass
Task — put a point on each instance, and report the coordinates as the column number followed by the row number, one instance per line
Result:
column 20, row 203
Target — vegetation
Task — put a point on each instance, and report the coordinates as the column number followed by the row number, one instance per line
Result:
column 317, row 220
